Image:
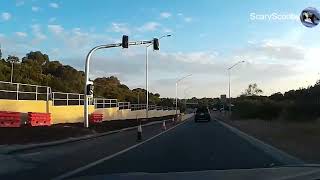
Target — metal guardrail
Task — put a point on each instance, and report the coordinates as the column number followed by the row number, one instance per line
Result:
column 67, row 99
column 135, row 107
column 19, row 91
column 124, row 105
column 105, row 103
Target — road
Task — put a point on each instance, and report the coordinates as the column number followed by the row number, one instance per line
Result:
column 188, row 147
column 49, row 162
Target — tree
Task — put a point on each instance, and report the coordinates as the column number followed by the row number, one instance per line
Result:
column 37, row 57
column 276, row 96
column 12, row 59
column 252, row 90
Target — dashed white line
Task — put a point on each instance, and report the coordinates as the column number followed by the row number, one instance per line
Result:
column 68, row 174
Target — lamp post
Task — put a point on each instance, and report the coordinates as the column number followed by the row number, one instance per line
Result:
column 177, row 82
column 147, row 76
column 12, row 60
column 229, row 74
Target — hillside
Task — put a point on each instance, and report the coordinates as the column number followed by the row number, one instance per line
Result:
column 36, row 68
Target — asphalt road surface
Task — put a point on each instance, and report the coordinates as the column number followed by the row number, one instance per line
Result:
column 50, row 162
column 188, row 147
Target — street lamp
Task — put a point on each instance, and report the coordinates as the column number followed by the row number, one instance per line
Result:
column 155, row 47
column 88, row 89
column 177, row 91
column 229, row 74
column 12, row 60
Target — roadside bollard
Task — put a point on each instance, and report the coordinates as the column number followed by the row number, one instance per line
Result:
column 139, row 133
column 164, row 127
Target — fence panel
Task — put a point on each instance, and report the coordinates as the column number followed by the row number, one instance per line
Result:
column 68, row 99
column 19, row 91
column 105, row 103
column 124, row 105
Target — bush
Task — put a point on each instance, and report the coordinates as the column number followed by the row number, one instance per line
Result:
column 298, row 111
column 257, row 109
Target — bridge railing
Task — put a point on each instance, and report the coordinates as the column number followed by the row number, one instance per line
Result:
column 68, row 99
column 20, row 91
column 135, row 107
column 124, row 105
column 105, row 103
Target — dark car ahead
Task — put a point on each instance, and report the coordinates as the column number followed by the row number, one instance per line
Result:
column 202, row 114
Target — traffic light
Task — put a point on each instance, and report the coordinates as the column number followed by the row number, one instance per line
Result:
column 125, row 41
column 89, row 89
column 155, row 44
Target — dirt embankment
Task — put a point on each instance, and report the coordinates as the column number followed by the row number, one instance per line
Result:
column 300, row 139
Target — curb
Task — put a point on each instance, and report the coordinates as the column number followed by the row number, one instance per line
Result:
column 18, row 148
column 275, row 153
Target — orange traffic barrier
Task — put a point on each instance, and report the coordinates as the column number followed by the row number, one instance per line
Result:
column 39, row 119
column 96, row 118
column 10, row 119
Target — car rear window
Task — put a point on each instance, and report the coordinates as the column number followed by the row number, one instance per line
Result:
column 202, row 110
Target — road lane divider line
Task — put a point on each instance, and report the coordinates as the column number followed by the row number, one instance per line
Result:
column 78, row 170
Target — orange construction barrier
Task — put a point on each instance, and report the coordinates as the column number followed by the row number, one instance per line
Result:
column 39, row 119
column 10, row 119
column 96, row 118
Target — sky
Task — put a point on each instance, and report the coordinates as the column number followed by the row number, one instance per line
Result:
column 208, row 37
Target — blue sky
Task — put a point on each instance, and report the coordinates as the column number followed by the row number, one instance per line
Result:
column 208, row 36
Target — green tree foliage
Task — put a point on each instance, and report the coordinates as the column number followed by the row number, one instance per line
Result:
column 36, row 68
column 299, row 105
column 252, row 90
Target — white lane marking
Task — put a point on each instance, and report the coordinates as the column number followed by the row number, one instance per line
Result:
column 68, row 174
column 30, row 154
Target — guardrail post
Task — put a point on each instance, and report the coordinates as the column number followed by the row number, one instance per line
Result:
column 79, row 100
column 17, row 91
column 36, row 93
column 104, row 103
column 47, row 93
column 53, row 99
column 67, row 99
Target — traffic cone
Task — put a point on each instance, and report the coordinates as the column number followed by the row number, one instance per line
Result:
column 139, row 133
column 164, row 127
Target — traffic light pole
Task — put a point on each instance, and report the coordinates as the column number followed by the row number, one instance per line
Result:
column 86, row 96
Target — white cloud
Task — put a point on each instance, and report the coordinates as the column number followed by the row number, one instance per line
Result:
column 5, row 16
column 167, row 30
column 56, row 29
column 21, row 34
column 52, row 19
column 149, row 26
column 187, row 19
column 120, row 28
column 180, row 14
column 54, row 5
column 165, row 15
column 271, row 51
column 35, row 8
column 19, row 3
column 36, row 30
